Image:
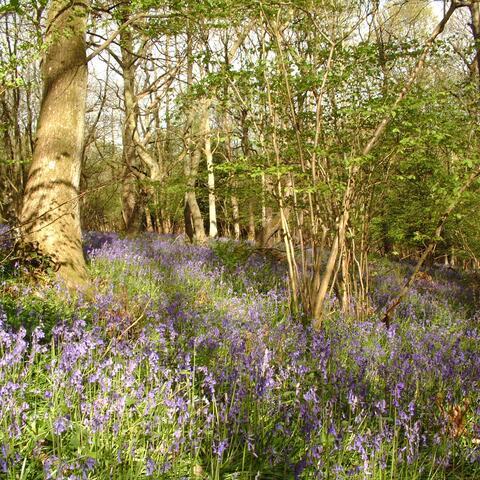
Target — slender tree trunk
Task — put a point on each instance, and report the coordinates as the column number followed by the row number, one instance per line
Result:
column 12, row 178
column 354, row 173
column 246, row 153
column 148, row 220
column 264, row 203
column 475, row 26
column 236, row 217
column 212, row 208
column 198, row 134
column 7, row 211
column 50, row 215
column 194, row 227
column 131, row 208
column 29, row 123
column 251, row 221
column 11, row 114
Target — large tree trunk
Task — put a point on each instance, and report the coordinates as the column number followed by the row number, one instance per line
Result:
column 50, row 215
column 132, row 208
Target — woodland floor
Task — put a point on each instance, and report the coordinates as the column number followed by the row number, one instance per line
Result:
column 187, row 364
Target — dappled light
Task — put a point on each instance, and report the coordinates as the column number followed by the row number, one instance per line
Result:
column 239, row 239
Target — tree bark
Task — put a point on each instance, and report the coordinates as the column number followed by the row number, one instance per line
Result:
column 50, row 215
column 251, row 221
column 198, row 132
column 475, row 26
column 194, row 226
column 131, row 208
column 236, row 216
column 212, row 208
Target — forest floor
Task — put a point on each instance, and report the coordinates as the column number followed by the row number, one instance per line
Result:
column 187, row 364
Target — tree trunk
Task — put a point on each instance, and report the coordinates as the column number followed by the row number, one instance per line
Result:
column 251, row 221
column 212, row 209
column 246, row 153
column 131, row 204
column 50, row 215
column 131, row 207
column 475, row 26
column 11, row 172
column 236, row 217
column 194, row 227
column 148, row 220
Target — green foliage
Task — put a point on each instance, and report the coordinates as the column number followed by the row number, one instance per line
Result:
column 25, row 260
column 232, row 254
column 11, row 6
column 31, row 308
column 433, row 159
column 168, row 361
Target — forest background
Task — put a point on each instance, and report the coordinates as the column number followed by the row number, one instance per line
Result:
column 328, row 130
column 265, row 215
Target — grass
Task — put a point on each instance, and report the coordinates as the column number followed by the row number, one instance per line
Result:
column 186, row 364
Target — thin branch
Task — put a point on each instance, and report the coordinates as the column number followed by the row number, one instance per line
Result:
column 431, row 246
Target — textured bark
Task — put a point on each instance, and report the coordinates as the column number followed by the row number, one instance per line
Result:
column 194, row 226
column 50, row 215
column 475, row 26
column 148, row 220
column 11, row 172
column 267, row 236
column 132, row 209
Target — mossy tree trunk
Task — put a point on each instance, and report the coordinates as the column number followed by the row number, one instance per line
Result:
column 50, row 215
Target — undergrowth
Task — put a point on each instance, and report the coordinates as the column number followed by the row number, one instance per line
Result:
column 186, row 364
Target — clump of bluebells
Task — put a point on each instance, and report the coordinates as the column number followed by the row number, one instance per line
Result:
column 175, row 370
